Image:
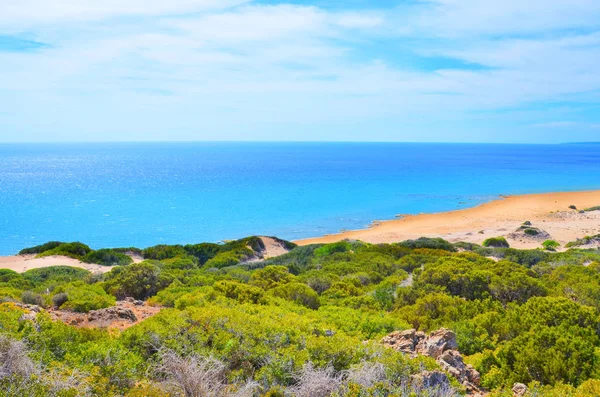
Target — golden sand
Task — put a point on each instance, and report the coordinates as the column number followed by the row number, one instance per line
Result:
column 549, row 212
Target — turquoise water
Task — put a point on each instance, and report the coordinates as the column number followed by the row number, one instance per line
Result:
column 141, row 194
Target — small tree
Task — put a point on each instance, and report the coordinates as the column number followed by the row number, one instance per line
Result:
column 550, row 245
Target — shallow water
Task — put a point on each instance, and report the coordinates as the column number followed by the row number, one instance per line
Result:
column 141, row 194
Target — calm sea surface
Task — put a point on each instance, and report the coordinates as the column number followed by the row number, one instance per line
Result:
column 141, row 194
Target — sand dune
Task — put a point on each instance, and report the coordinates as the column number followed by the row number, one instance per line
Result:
column 22, row 263
column 549, row 212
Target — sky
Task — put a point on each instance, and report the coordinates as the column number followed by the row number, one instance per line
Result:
column 331, row 70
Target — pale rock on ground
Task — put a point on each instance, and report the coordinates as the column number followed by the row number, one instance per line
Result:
column 440, row 345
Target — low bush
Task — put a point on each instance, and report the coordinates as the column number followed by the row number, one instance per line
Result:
column 107, row 257
column 59, row 299
column 466, row 246
column 496, row 242
column 550, row 245
column 160, row 252
column 82, row 298
column 433, row 243
column 138, row 280
column 224, row 259
column 55, row 275
column 583, row 241
column 38, row 249
column 31, row 298
column 298, row 293
column 74, row 250
column 531, row 231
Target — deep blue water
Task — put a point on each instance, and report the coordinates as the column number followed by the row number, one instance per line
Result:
column 141, row 194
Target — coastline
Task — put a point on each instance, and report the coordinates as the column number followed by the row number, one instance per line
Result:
column 547, row 211
column 22, row 263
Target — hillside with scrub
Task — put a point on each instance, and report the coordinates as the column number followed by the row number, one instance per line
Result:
column 418, row 318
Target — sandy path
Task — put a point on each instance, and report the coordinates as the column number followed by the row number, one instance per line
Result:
column 22, row 263
column 549, row 212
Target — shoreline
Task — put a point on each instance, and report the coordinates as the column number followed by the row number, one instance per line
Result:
column 22, row 263
column 501, row 217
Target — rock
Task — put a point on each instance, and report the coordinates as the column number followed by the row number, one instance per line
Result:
column 452, row 361
column 31, row 308
column 440, row 345
column 438, row 342
column 129, row 299
column 519, row 389
column 138, row 303
column 430, row 379
column 111, row 314
column 329, row 333
column 28, row 316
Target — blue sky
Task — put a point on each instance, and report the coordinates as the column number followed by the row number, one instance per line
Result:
column 354, row 70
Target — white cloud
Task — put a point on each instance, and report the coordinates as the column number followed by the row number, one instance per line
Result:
column 231, row 64
column 477, row 17
column 32, row 12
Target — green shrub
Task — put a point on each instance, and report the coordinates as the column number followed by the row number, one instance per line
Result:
column 531, row 231
column 9, row 294
column 38, row 249
column 596, row 208
column 466, row 246
column 185, row 263
column 160, row 252
column 55, row 275
column 271, row 277
column 107, row 257
column 298, row 293
column 31, row 298
column 59, row 299
column 572, row 207
column 128, row 251
column 330, row 249
column 83, row 297
column 224, row 259
column 550, row 245
column 583, row 241
column 73, row 250
column 7, row 275
column 203, row 252
column 242, row 293
column 138, row 280
column 433, row 243
column 496, row 242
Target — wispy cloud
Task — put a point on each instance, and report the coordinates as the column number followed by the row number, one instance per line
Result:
column 208, row 69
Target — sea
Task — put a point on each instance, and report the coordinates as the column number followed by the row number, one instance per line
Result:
column 143, row 194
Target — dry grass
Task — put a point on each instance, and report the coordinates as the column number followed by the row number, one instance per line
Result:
column 313, row 382
column 197, row 376
column 14, row 360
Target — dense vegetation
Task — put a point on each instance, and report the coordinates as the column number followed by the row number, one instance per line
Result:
column 306, row 323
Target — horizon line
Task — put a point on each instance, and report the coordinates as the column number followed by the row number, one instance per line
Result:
column 292, row 141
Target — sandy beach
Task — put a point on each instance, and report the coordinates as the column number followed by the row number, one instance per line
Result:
column 22, row 263
column 548, row 212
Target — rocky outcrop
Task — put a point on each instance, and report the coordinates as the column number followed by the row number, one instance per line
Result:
column 111, row 314
column 121, row 316
column 519, row 390
column 30, row 308
column 440, row 345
